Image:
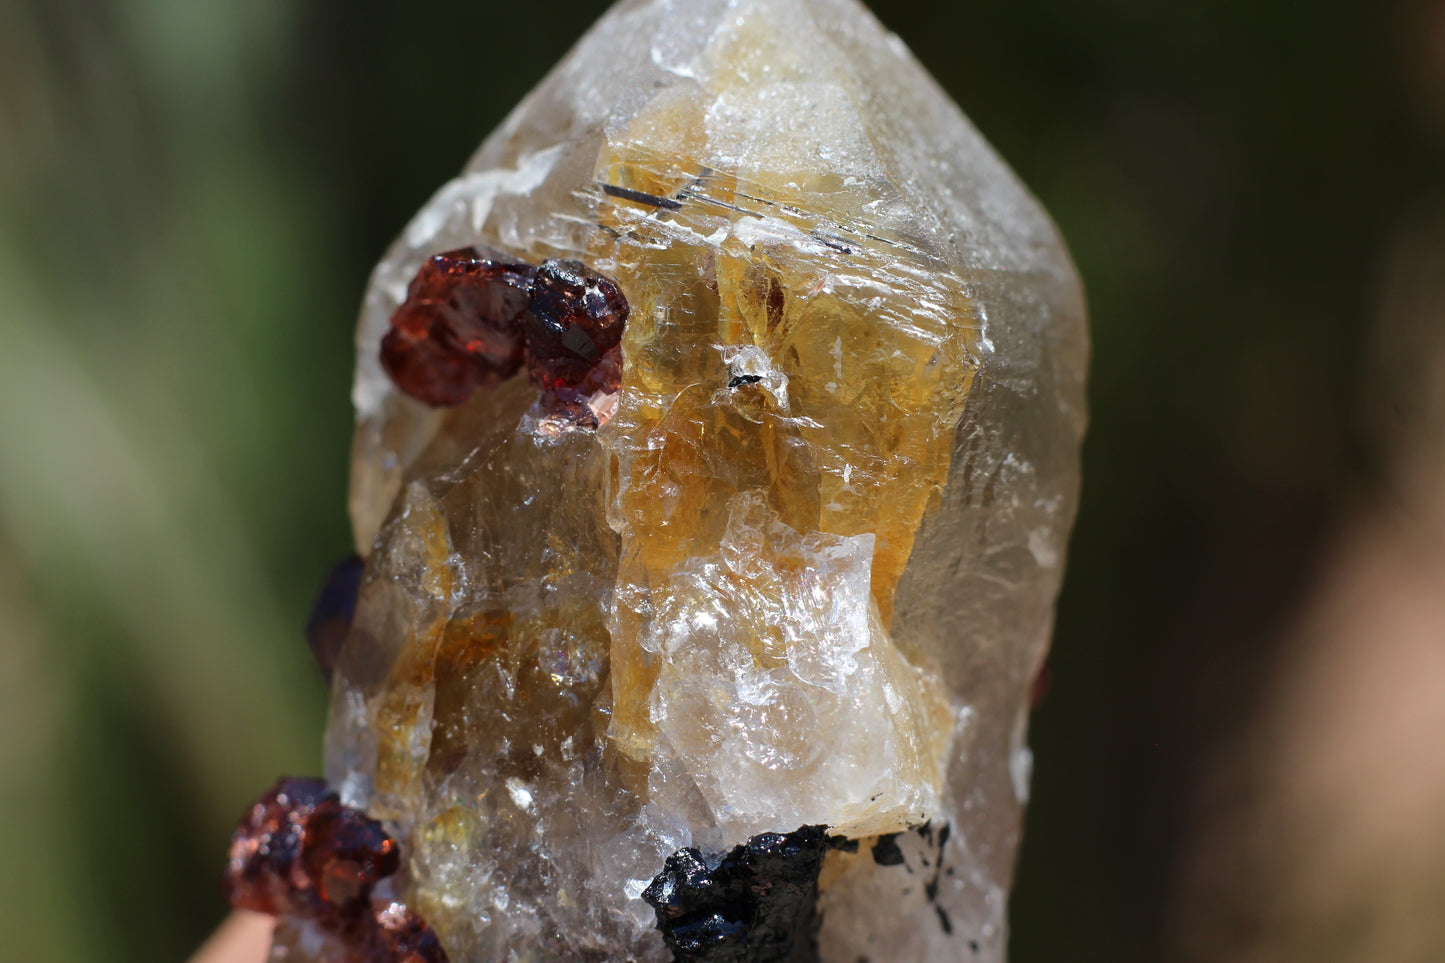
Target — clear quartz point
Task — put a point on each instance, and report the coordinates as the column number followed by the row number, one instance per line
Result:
column 799, row 570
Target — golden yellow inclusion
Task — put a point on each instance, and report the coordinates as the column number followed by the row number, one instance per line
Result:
column 404, row 708
column 845, row 417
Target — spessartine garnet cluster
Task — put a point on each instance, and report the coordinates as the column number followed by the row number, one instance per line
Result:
column 474, row 317
column 301, row 854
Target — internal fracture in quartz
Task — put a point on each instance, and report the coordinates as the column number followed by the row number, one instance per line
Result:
column 711, row 636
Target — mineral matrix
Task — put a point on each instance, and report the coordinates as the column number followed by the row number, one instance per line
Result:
column 716, row 450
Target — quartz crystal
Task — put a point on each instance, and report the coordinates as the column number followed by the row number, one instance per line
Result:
column 716, row 453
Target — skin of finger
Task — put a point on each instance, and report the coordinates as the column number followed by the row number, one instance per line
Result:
column 243, row 938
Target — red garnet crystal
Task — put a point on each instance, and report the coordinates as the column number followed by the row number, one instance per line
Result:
column 403, row 937
column 331, row 613
column 473, row 316
column 300, row 853
column 456, row 331
column 346, row 853
column 575, row 320
column 265, row 874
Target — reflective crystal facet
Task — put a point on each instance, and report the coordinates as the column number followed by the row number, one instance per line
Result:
column 792, row 567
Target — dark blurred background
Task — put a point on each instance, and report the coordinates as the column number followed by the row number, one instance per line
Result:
column 1242, row 755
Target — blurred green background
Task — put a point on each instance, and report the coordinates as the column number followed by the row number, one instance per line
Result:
column 192, row 193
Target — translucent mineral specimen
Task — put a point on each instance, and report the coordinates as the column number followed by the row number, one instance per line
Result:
column 701, row 610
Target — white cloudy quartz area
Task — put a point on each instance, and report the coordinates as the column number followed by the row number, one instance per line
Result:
column 861, row 770
column 802, row 95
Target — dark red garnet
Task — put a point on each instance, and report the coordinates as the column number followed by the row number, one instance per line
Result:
column 266, row 847
column 456, row 331
column 401, row 936
column 474, row 316
column 300, row 853
column 576, row 318
column 346, row 853
column 332, row 612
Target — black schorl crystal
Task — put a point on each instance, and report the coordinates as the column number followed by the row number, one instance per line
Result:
column 756, row 904
column 737, row 381
column 331, row 614
column 886, row 851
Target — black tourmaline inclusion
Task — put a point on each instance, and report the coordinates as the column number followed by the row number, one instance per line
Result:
column 756, row 904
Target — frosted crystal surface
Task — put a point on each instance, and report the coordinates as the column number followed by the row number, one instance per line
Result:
column 802, row 574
